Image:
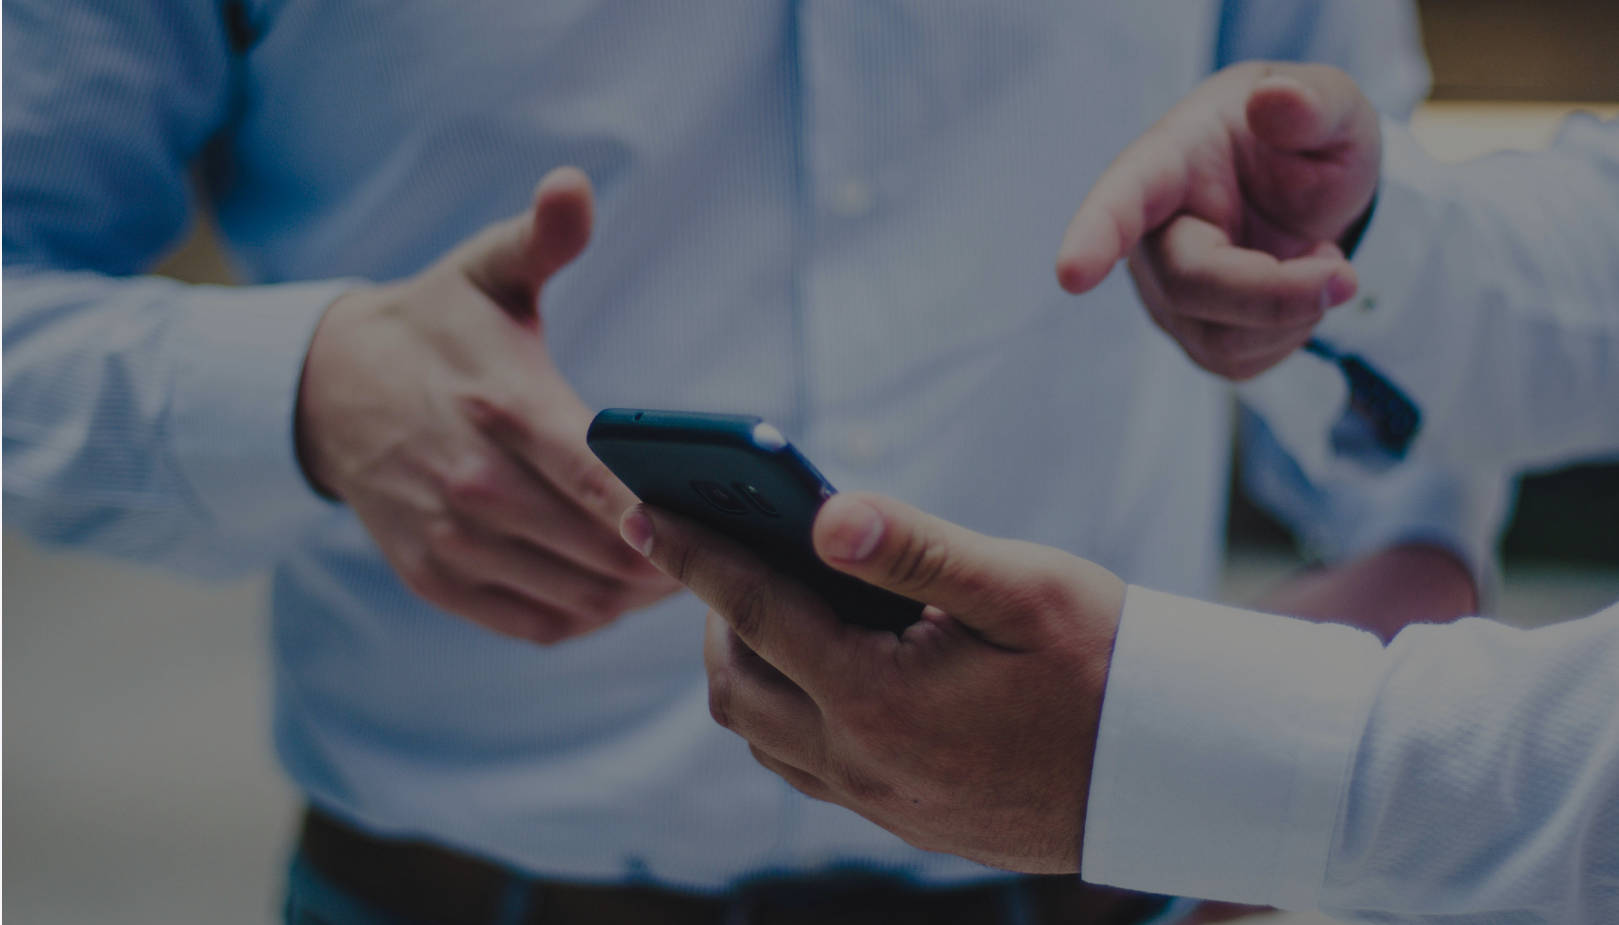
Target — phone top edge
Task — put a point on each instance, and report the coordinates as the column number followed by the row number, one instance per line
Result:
column 738, row 430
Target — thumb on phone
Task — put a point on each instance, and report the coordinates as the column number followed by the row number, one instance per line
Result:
column 1008, row 592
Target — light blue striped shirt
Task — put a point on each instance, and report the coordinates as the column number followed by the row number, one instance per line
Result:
column 839, row 215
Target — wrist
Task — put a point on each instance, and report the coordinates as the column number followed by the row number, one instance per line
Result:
column 233, row 408
column 1382, row 592
column 1100, row 616
column 1349, row 240
column 324, row 362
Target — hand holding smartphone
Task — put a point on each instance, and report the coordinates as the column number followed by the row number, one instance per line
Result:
column 737, row 475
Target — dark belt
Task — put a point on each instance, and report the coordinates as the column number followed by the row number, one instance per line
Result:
column 433, row 885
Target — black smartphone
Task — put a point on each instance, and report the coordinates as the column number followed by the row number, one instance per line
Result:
column 739, row 476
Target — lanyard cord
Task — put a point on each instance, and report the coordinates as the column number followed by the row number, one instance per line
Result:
column 1392, row 417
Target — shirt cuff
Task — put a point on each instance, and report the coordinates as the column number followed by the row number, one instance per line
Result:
column 241, row 357
column 1224, row 751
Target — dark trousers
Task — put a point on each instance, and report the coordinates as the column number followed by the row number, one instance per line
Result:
column 343, row 876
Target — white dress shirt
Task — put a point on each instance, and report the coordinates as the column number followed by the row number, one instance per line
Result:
column 1467, row 773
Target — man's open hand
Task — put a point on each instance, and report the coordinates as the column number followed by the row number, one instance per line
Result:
column 972, row 733
column 433, row 409
column 1231, row 209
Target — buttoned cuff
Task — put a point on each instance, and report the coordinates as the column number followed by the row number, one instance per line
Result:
column 241, row 357
column 1224, row 750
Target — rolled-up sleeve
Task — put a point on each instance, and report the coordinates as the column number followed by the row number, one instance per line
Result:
column 143, row 417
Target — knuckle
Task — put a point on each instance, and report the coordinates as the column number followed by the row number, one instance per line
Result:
column 1046, row 591
column 604, row 602
column 919, row 562
column 1225, row 341
column 1181, row 284
column 1193, row 279
column 748, row 607
column 547, row 630
column 1198, row 348
column 1168, row 319
column 862, row 786
column 764, row 759
column 721, row 697
column 869, row 716
column 547, row 634
column 1277, row 309
column 497, row 417
column 1224, row 367
column 1288, row 309
column 682, row 562
column 474, row 483
column 443, row 538
column 591, row 482
column 422, row 574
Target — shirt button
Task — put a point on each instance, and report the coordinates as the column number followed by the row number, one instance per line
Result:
column 1368, row 303
column 862, row 445
column 851, row 198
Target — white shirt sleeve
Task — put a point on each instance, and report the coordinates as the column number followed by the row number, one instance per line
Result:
column 1490, row 296
column 1466, row 769
column 153, row 421
column 143, row 418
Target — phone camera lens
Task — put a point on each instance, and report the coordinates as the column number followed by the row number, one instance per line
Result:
column 719, row 496
column 758, row 499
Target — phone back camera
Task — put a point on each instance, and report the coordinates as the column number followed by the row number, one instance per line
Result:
column 758, row 498
column 719, row 496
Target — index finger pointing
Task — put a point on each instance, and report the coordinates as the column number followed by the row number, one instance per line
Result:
column 779, row 619
column 1139, row 191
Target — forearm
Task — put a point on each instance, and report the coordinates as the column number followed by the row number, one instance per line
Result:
column 1413, row 544
column 1382, row 592
column 153, row 421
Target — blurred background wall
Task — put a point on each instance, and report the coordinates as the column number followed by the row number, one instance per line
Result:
column 1557, row 50
column 139, row 783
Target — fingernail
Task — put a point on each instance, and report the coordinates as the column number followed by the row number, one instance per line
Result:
column 856, row 530
column 636, row 529
column 1337, row 291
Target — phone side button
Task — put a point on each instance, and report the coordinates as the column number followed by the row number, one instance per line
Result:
column 758, row 498
column 719, row 496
